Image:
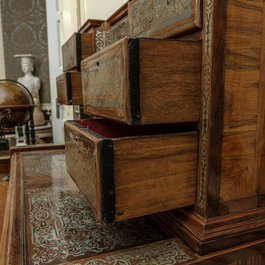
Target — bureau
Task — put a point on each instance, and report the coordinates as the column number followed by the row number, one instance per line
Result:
column 229, row 207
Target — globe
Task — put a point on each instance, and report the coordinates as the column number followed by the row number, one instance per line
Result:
column 18, row 99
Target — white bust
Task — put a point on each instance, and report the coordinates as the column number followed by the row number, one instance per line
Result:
column 32, row 83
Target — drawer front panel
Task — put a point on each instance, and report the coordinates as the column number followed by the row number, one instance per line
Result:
column 103, row 84
column 61, row 89
column 69, row 54
column 77, row 48
column 120, row 30
column 162, row 19
column 81, row 163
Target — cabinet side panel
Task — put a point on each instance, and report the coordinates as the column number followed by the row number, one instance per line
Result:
column 240, row 170
column 69, row 54
column 170, row 79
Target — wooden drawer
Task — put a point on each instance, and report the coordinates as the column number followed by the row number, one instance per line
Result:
column 69, row 88
column 148, row 18
column 77, row 48
column 129, row 171
column 144, row 81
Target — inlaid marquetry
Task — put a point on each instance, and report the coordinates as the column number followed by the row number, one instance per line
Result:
column 163, row 19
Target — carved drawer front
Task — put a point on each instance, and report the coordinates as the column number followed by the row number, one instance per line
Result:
column 69, row 88
column 119, row 30
column 129, row 171
column 144, row 81
column 164, row 19
column 118, row 22
column 77, row 48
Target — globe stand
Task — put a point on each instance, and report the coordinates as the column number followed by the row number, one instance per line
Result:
column 4, row 145
column 32, row 131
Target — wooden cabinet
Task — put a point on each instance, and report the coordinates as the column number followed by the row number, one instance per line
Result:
column 141, row 81
column 205, row 186
column 127, row 171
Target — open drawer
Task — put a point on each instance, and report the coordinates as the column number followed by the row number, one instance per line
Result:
column 69, row 88
column 144, row 81
column 78, row 47
column 130, row 171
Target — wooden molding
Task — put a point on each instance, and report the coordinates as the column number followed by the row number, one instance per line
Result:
column 36, row 147
column 209, row 235
column 118, row 15
column 89, row 24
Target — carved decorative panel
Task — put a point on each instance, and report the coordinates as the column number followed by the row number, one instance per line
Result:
column 25, row 31
column 120, row 30
column 148, row 16
column 102, row 84
column 103, row 39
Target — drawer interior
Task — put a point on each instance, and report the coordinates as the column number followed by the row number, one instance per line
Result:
column 110, row 129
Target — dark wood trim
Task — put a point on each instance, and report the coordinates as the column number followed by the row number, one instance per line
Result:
column 78, row 49
column 118, row 15
column 107, row 181
column 90, row 23
column 217, row 107
column 69, row 87
column 134, row 80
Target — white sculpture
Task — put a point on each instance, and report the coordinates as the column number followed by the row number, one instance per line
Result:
column 32, row 83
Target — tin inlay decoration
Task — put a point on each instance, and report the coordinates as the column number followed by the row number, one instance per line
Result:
column 206, row 101
column 103, row 39
column 62, row 227
column 120, row 30
column 149, row 16
column 82, row 163
column 44, row 163
column 164, row 253
column 102, row 84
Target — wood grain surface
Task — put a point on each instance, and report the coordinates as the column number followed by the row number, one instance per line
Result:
column 78, row 47
column 3, row 199
column 243, row 133
column 166, row 89
column 141, row 185
column 69, row 88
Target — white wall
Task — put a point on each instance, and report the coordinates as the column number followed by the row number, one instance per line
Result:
column 2, row 59
column 89, row 9
column 101, row 9
column 68, row 18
